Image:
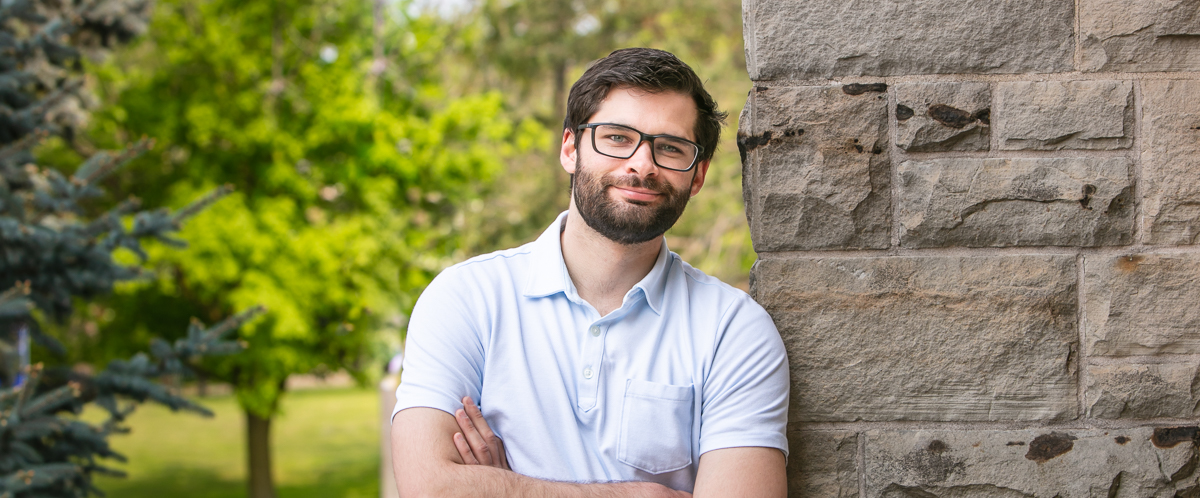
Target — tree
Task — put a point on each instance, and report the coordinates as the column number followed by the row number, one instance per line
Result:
column 52, row 252
column 358, row 180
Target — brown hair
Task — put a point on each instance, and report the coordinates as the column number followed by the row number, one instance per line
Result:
column 650, row 70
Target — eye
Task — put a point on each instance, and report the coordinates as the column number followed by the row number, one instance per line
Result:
column 673, row 147
column 669, row 148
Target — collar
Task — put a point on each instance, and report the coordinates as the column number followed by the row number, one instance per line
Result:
column 549, row 276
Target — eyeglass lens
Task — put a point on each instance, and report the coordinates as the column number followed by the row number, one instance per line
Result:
column 620, row 141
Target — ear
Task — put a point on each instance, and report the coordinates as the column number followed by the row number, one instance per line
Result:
column 567, row 155
column 698, row 178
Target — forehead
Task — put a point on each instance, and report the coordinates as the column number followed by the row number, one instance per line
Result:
column 667, row 112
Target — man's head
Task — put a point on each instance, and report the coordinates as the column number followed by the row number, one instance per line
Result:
column 621, row 188
column 648, row 70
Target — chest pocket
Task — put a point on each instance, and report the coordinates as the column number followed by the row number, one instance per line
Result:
column 656, row 426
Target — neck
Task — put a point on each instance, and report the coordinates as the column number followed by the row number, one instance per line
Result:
column 603, row 271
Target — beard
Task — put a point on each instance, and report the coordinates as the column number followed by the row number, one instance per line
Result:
column 623, row 221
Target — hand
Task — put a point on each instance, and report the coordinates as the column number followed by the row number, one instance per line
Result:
column 476, row 443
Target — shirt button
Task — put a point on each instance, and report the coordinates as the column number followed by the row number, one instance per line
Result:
column 595, row 331
column 587, row 373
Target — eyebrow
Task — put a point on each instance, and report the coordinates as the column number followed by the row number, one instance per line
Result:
column 653, row 134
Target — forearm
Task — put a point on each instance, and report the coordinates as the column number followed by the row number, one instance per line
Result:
column 427, row 464
column 473, row 481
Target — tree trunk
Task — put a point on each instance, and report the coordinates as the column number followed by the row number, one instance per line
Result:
column 560, row 91
column 561, row 183
column 258, row 439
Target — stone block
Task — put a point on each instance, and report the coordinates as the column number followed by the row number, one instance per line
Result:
column 816, row 167
column 972, row 202
column 1158, row 390
column 1055, row 115
column 926, row 338
column 1142, row 304
column 822, row 464
column 1124, row 463
column 820, row 39
column 1140, row 36
column 943, row 116
column 1171, row 160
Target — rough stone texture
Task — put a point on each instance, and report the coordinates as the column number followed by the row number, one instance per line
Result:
column 1130, row 463
column 816, row 167
column 935, row 337
column 926, row 338
column 1015, row 202
column 1143, row 304
column 1123, row 35
column 1053, row 115
column 1171, row 160
column 1142, row 390
column 822, row 464
column 831, row 38
column 943, row 116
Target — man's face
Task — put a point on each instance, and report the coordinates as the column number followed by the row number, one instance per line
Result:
column 633, row 200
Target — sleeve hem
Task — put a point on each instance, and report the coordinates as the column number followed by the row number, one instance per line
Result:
column 428, row 401
column 764, row 440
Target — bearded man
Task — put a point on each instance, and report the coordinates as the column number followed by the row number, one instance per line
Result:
column 603, row 364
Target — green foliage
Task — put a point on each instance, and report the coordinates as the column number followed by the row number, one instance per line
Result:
column 358, row 178
column 55, row 251
column 44, row 453
column 364, row 164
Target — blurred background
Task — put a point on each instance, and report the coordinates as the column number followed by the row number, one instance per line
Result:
column 370, row 143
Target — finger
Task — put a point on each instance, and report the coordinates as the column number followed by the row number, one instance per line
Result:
column 464, row 450
column 464, row 422
column 485, row 431
column 503, row 457
column 499, row 459
column 477, row 418
column 479, row 446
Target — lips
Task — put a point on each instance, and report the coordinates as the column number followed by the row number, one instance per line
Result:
column 639, row 190
column 640, row 195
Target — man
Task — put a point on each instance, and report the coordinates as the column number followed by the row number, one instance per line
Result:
column 605, row 364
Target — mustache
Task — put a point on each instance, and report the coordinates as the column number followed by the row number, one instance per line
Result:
column 636, row 181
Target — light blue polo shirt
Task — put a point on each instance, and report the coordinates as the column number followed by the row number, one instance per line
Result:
column 686, row 365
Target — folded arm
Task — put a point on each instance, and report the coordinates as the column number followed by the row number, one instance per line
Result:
column 428, row 464
column 749, row 472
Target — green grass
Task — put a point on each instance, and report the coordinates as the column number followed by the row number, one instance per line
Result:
column 325, row 444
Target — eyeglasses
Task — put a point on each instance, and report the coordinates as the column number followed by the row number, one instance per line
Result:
column 619, row 141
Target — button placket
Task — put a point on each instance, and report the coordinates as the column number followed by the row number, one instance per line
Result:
column 589, row 380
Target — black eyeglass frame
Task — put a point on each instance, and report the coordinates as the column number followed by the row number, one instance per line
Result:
column 642, row 137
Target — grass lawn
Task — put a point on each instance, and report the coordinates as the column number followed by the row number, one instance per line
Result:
column 326, row 444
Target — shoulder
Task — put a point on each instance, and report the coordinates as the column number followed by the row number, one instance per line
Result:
column 491, row 265
column 708, row 290
column 481, row 278
column 736, row 317
column 706, row 282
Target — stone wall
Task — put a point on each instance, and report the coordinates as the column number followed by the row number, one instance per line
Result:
column 978, row 228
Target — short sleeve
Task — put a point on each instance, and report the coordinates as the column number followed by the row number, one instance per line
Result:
column 444, row 353
column 746, row 388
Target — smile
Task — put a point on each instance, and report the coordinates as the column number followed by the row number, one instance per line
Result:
column 637, row 194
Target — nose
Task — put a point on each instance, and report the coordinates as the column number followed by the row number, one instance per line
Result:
column 642, row 160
